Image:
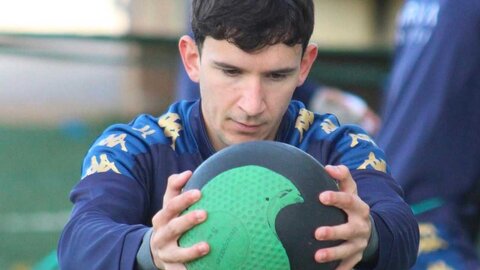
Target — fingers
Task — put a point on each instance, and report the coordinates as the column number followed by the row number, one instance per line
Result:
column 181, row 224
column 348, row 202
column 343, row 252
column 175, row 185
column 169, row 225
column 164, row 247
column 345, row 231
column 343, row 177
column 349, row 252
column 181, row 255
column 173, row 201
column 174, row 229
column 175, row 206
column 355, row 232
column 358, row 224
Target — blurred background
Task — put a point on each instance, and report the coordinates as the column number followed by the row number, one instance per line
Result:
column 70, row 68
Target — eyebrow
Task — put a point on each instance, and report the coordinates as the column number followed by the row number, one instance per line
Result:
column 281, row 70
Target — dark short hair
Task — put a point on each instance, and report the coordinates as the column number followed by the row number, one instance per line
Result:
column 253, row 24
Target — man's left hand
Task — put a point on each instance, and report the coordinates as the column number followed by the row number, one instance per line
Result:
column 356, row 232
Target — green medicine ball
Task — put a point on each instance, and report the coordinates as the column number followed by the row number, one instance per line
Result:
column 263, row 208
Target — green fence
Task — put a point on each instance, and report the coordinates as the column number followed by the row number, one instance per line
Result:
column 38, row 167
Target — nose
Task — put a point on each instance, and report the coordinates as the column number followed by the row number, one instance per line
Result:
column 252, row 101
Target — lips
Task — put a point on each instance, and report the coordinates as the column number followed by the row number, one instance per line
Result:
column 244, row 127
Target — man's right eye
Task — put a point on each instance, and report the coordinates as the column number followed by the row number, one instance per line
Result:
column 231, row 72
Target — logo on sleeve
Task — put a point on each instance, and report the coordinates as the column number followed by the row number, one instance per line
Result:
column 103, row 166
column 372, row 161
column 363, row 137
column 114, row 140
column 146, row 131
column 304, row 121
column 328, row 126
column 171, row 128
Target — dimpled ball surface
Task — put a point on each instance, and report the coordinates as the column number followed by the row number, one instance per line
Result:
column 242, row 204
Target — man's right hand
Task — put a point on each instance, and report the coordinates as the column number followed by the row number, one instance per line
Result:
column 169, row 226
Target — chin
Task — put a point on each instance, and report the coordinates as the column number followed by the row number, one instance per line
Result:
column 241, row 139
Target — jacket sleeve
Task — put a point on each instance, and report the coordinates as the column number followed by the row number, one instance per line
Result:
column 111, row 212
column 105, row 229
column 397, row 229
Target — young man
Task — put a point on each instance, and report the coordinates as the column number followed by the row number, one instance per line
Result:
column 248, row 57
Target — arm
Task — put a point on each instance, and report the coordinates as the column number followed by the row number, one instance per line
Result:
column 367, row 193
column 111, row 204
column 99, row 236
column 120, row 191
column 104, row 231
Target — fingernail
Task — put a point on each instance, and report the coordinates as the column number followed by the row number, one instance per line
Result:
column 321, row 256
column 195, row 194
column 203, row 248
column 324, row 197
column 319, row 235
column 200, row 216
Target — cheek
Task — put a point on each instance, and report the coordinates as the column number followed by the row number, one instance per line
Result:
column 219, row 92
column 215, row 100
column 212, row 84
column 279, row 100
column 280, row 107
column 282, row 94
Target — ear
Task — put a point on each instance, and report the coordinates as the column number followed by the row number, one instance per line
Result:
column 309, row 57
column 190, row 57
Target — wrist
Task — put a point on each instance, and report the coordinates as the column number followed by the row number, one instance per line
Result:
column 144, row 255
column 371, row 251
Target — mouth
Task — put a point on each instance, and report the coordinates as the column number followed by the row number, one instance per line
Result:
column 246, row 127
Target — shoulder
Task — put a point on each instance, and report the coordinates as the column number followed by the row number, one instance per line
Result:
column 117, row 149
column 332, row 143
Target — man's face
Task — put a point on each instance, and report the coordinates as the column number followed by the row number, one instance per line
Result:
column 245, row 95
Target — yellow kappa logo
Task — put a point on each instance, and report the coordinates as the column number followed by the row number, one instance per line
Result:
column 328, row 126
column 357, row 137
column 114, row 140
column 171, row 128
column 372, row 161
column 304, row 121
column 146, row 131
column 104, row 165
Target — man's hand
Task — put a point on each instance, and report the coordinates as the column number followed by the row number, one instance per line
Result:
column 356, row 232
column 168, row 226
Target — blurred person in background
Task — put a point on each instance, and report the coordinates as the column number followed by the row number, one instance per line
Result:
column 431, row 126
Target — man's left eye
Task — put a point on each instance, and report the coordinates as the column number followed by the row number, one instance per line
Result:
column 231, row 72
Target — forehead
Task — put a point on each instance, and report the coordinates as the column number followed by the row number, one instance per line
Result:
column 274, row 56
